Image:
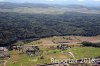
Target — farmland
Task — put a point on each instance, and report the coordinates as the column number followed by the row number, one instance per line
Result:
column 49, row 51
column 17, row 60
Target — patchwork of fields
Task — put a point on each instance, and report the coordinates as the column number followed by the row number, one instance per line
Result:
column 49, row 50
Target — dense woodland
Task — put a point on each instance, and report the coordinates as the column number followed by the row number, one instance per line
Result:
column 17, row 26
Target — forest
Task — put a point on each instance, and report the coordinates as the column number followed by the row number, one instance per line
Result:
column 18, row 26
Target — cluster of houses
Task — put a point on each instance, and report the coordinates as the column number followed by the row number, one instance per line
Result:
column 62, row 47
column 34, row 50
column 31, row 50
column 4, row 53
column 28, row 49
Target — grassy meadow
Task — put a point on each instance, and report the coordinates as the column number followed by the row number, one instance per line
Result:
column 48, row 51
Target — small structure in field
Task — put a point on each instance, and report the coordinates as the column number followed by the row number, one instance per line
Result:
column 4, row 54
column 18, row 47
column 31, row 50
column 62, row 47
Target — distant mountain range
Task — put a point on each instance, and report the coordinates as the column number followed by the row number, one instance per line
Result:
column 14, row 5
column 45, row 8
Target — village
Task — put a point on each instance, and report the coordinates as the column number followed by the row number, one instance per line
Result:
column 35, row 50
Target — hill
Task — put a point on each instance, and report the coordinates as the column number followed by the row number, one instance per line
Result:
column 31, row 8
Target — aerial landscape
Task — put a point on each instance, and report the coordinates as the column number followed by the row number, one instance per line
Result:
column 50, row 33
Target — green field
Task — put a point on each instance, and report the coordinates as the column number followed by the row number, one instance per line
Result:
column 24, row 60
column 49, row 50
column 85, row 52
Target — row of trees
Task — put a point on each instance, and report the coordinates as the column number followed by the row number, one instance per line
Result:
column 91, row 44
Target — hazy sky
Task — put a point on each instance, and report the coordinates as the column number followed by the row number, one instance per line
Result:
column 83, row 2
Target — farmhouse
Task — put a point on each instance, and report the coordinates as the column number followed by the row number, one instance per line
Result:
column 31, row 50
column 62, row 47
